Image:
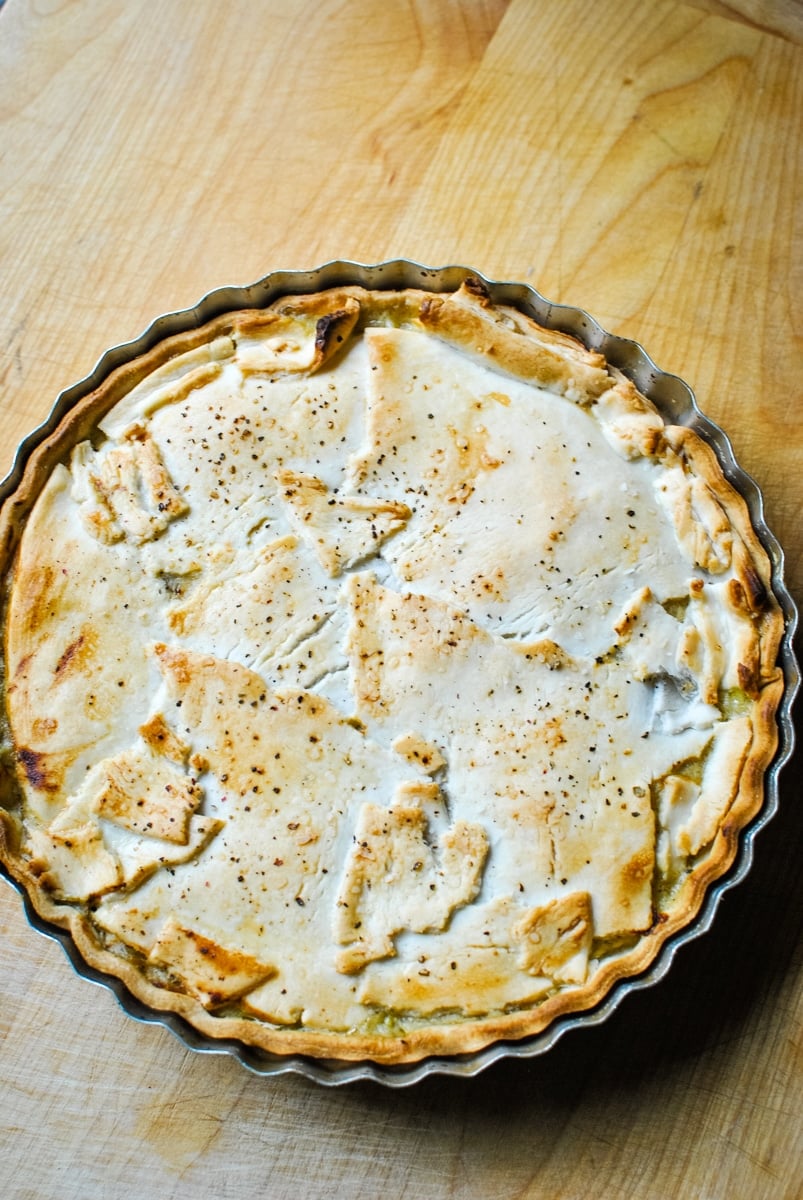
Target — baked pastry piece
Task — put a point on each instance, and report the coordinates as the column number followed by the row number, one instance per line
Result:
column 384, row 676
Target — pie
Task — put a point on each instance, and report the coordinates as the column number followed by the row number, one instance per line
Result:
column 385, row 676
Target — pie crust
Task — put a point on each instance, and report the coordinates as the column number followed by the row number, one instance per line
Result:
column 383, row 675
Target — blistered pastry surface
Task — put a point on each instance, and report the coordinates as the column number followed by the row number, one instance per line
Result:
column 381, row 669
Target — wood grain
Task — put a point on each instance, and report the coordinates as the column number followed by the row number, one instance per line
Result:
column 784, row 18
column 641, row 159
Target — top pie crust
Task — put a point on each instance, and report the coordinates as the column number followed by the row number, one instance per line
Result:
column 384, row 676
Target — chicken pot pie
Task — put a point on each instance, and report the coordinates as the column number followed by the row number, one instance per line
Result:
column 384, row 675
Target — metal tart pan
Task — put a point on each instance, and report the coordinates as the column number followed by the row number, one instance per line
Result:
column 677, row 402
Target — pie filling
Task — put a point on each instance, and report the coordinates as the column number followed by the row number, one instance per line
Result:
column 383, row 675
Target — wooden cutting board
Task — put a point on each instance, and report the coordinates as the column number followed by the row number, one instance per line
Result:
column 640, row 159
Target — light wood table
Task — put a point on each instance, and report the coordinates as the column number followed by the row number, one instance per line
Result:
column 640, row 159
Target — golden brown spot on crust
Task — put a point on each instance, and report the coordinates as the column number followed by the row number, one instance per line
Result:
column 491, row 586
column 552, row 732
column 253, row 321
column 176, row 662
column 22, row 665
column 36, row 602
column 639, row 868
column 76, row 653
column 44, row 726
column 430, row 306
column 757, row 598
column 34, row 765
column 545, row 651
column 69, row 654
column 736, row 595
column 748, row 680
column 476, row 288
column 160, row 737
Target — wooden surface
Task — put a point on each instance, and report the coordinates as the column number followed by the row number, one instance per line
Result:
column 640, row 159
